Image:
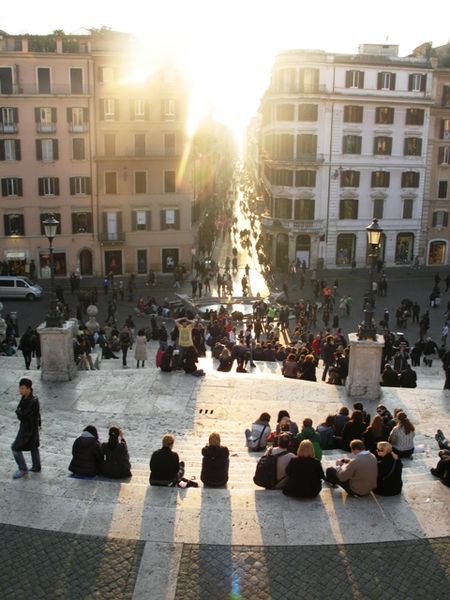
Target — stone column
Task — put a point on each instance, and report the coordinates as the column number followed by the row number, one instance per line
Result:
column 57, row 358
column 364, row 369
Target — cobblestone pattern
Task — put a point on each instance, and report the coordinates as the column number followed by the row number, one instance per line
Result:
column 413, row 570
column 48, row 565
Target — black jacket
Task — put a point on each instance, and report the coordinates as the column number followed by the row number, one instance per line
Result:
column 389, row 482
column 164, row 466
column 352, row 431
column 304, row 478
column 116, row 463
column 86, row 456
column 215, row 466
column 28, row 413
column 408, row 379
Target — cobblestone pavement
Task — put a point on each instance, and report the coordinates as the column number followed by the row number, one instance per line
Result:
column 413, row 570
column 38, row 564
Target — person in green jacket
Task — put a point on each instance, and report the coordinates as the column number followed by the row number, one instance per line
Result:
column 308, row 433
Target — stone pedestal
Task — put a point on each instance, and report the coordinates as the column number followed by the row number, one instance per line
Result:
column 364, row 369
column 57, row 358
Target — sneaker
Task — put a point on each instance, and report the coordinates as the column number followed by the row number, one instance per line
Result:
column 19, row 473
column 35, row 470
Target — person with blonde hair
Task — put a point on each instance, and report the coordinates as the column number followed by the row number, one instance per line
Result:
column 402, row 436
column 389, row 480
column 304, row 473
column 215, row 463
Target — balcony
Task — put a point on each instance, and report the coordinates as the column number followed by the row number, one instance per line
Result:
column 109, row 238
column 78, row 127
column 46, row 127
column 9, row 128
column 292, row 225
column 30, row 89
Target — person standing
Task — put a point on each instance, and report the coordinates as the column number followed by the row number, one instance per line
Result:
column 26, row 345
column 27, row 439
column 125, row 343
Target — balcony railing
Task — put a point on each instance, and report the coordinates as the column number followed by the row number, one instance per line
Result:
column 32, row 89
column 78, row 127
column 46, row 127
column 311, row 225
column 307, row 158
column 112, row 238
column 9, row 128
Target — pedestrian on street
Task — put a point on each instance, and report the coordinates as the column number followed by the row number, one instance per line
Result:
column 27, row 439
column 125, row 343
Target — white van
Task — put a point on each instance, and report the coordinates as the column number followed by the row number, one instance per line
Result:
column 19, row 287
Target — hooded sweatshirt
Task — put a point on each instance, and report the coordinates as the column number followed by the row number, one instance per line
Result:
column 308, row 433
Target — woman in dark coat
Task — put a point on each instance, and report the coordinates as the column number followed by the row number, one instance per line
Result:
column 308, row 368
column 27, row 439
column 389, row 482
column 215, row 463
column 353, row 429
column 26, row 345
column 304, row 473
column 116, row 463
column 87, row 455
column 375, row 432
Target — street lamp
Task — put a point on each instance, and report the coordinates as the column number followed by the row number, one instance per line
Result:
column 367, row 329
column 53, row 317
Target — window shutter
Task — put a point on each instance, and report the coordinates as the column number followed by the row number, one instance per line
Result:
column 358, row 144
column 1, row 116
column 148, row 220
column 2, row 149
column 16, row 115
column 361, row 80
column 19, row 187
column 434, row 219
column 163, row 220
column 69, row 115
column 389, row 145
column 72, row 185
column 132, row 110
column 177, row 110
column 116, row 110
column 162, row 110
column 410, row 83
column 89, row 222
column 18, row 152
column 4, row 187
column 56, row 179
column 38, row 150
column 101, row 108
column 177, row 219
column 419, row 147
column 88, row 185
column 119, row 222
column 37, row 115
column 133, row 220
column 440, row 155
column 104, row 222
column 55, row 149
column 379, row 81
column 53, row 115
column 7, row 225
column 445, row 219
column 100, row 74
column 21, row 225
column 74, row 222
column 147, row 110
column 423, row 82
column 348, row 79
column 40, row 186
column 85, row 115
column 392, row 81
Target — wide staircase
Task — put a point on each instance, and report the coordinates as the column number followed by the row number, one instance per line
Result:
column 147, row 404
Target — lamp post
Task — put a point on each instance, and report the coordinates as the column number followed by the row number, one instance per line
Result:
column 53, row 318
column 367, row 329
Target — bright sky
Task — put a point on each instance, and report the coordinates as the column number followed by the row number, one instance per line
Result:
column 228, row 46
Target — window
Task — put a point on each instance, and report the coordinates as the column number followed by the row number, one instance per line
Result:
column 169, row 144
column 378, row 207
column 353, row 114
column 282, row 177
column 140, row 182
column 139, row 144
column 140, row 220
column 445, row 95
column 109, row 109
column 12, row 186
column 285, row 80
column 45, row 118
column 304, row 209
column 80, row 186
column 284, row 147
column 170, row 218
column 10, row 150
column 354, row 79
column 306, row 147
column 309, row 80
column 410, row 179
column 380, row 179
column 408, row 204
column 283, row 208
column 6, row 80
column 382, row 145
column 440, row 218
column 307, row 112
column 384, row 115
column 14, row 224
column 9, row 118
column 44, row 216
column 106, row 74
column 168, row 110
column 78, row 119
column 81, row 222
column 76, row 81
column 110, row 144
column 386, row 81
column 285, row 112
column 445, row 129
column 349, row 178
column 110, row 182
column 444, row 155
column 442, row 189
column 169, row 181
column 142, row 262
column 43, row 80
column 348, row 208
column 417, row 82
column 414, row 116
column 351, row 144
column 305, row 179
column 48, row 186
column 139, row 109
column 78, row 152
column 47, row 150
column 413, row 146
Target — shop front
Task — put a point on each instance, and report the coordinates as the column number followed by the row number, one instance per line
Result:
column 59, row 262
column 437, row 252
column 15, row 262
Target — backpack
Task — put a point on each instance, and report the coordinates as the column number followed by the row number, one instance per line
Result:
column 266, row 470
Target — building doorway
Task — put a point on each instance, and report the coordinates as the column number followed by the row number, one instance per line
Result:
column 85, row 259
column 437, row 252
column 303, row 249
column 282, row 251
column 113, row 262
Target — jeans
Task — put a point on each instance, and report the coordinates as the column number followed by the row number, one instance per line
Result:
column 124, row 355
column 20, row 459
column 331, row 476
